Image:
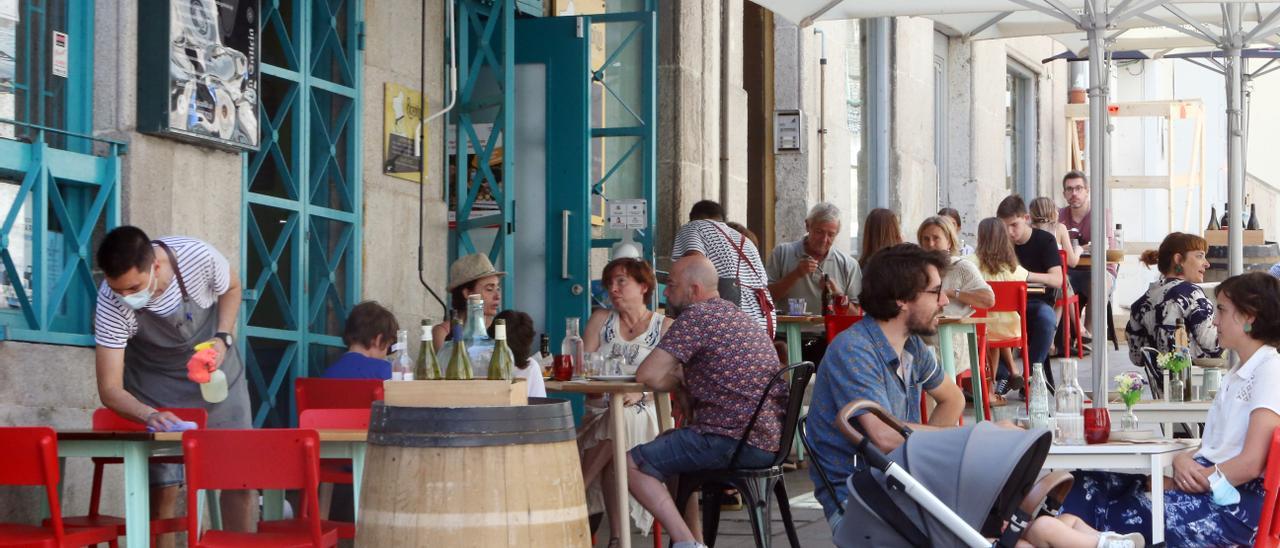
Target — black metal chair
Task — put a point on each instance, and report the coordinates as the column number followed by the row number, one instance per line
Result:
column 756, row 485
column 802, row 428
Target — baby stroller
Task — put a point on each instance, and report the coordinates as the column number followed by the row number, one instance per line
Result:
column 952, row 487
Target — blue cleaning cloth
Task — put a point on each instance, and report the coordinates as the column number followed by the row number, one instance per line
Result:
column 181, row 426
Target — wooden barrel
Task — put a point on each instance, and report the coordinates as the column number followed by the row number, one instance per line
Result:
column 473, row 476
column 1256, row 257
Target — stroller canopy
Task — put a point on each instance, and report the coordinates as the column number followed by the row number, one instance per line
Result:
column 982, row 472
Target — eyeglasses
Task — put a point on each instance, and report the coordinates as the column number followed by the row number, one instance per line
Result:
column 936, row 292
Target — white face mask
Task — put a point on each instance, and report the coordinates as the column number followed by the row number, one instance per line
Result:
column 140, row 299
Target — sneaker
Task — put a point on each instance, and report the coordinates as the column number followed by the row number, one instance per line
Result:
column 1116, row 540
column 1002, row 387
column 688, row 544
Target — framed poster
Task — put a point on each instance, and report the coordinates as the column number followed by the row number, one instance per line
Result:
column 198, row 71
column 402, row 139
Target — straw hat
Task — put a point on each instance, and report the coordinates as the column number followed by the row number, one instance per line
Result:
column 470, row 268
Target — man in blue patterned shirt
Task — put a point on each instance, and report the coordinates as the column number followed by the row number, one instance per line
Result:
column 883, row 359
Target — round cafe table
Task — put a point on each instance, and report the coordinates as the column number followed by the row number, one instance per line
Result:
column 618, row 429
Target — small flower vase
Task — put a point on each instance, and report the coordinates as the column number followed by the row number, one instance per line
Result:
column 1176, row 388
column 1128, row 421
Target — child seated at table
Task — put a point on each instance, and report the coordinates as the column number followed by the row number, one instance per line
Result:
column 369, row 333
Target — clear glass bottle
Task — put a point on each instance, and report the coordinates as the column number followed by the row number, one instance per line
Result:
column 1039, row 394
column 428, row 367
column 401, row 364
column 459, row 368
column 571, row 347
column 502, row 363
column 1070, row 408
column 475, row 335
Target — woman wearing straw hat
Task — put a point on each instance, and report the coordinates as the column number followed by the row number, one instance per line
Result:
column 470, row 275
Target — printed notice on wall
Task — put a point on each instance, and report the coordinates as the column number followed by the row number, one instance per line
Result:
column 60, row 54
column 402, row 142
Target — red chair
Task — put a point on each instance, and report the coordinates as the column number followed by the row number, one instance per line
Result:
column 30, row 457
column 1070, row 306
column 838, row 323
column 1269, row 524
column 337, row 419
column 1012, row 297
column 107, row 420
column 317, row 393
column 257, row 459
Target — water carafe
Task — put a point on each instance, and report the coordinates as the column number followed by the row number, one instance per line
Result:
column 1070, row 409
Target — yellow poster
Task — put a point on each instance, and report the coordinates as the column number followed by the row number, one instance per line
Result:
column 402, row 138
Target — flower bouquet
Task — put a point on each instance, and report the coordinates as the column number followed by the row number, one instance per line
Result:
column 1176, row 362
column 1129, row 385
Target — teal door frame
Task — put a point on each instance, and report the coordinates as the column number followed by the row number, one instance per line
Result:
column 302, row 199
column 563, row 45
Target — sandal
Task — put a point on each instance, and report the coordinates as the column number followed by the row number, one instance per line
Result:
column 614, row 542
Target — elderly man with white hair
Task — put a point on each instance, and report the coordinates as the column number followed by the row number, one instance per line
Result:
column 796, row 271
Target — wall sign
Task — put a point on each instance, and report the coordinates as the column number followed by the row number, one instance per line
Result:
column 198, row 70
column 59, row 54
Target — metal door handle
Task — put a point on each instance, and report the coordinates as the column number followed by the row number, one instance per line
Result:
column 564, row 244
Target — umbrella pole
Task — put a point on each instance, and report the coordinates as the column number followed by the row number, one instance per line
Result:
column 1235, row 141
column 1093, row 27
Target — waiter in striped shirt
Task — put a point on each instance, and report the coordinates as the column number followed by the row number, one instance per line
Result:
column 159, row 300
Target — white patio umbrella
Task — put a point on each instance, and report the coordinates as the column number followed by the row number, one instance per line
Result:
column 1098, row 20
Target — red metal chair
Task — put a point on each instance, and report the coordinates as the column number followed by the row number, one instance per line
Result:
column 257, row 459
column 312, row 393
column 107, row 420
column 317, row 393
column 30, row 457
column 838, row 323
column 1269, row 524
column 1070, row 305
column 1012, row 297
column 338, row 419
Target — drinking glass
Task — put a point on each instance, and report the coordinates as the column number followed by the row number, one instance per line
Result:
column 563, row 368
column 613, row 366
column 594, row 365
column 796, row 307
column 1097, row 425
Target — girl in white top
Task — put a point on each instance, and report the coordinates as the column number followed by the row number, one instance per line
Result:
column 1216, row 494
column 629, row 331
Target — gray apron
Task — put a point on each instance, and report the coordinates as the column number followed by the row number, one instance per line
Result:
column 155, row 360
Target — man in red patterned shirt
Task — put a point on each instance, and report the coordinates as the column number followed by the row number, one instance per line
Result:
column 723, row 360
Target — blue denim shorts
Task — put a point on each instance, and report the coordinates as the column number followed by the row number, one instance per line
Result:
column 682, row 451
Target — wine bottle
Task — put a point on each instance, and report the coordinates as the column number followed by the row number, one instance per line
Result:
column 401, row 365
column 827, row 307
column 502, row 363
column 1225, row 223
column 1213, row 219
column 428, row 367
column 459, row 368
column 1253, row 218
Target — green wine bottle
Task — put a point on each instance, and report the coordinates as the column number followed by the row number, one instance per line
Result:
column 501, row 364
column 459, row 368
column 428, row 367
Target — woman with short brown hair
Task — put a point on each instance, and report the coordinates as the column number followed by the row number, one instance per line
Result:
column 1175, row 296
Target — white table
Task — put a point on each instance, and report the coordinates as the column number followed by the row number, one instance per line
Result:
column 1165, row 413
column 1151, row 458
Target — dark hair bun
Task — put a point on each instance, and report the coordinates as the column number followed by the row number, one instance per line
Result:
column 1149, row 257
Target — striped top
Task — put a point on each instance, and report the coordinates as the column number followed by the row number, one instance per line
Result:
column 708, row 238
column 204, row 270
